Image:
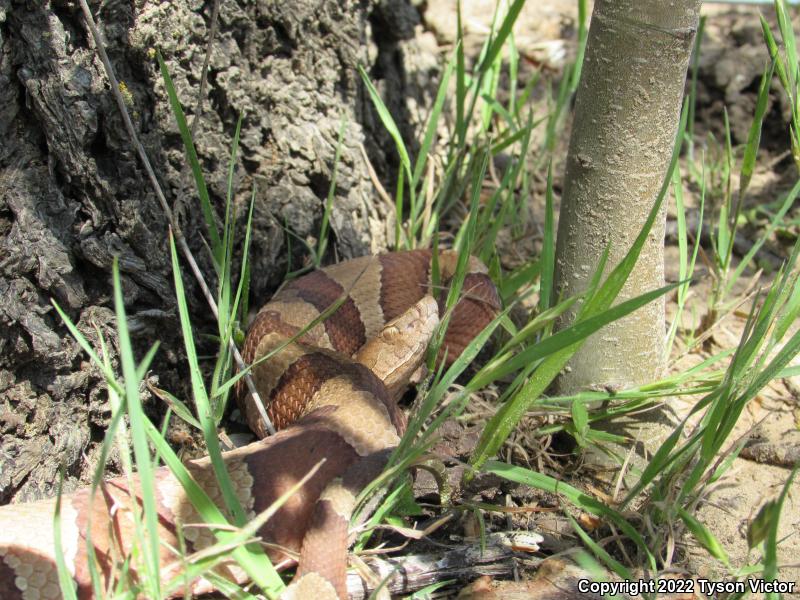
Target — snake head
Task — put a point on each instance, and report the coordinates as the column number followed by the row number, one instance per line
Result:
column 398, row 350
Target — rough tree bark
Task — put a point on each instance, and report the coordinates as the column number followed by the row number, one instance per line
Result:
column 73, row 194
column 626, row 116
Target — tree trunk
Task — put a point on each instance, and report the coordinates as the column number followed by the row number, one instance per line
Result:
column 73, row 194
column 626, row 115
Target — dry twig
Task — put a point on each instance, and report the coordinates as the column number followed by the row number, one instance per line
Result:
column 173, row 224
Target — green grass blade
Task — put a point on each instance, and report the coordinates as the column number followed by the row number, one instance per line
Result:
column 556, row 111
column 776, row 221
column 573, row 495
column 433, row 121
column 683, row 255
column 240, row 303
column 228, row 588
column 509, row 140
column 548, row 259
column 774, row 54
column 510, row 284
column 194, row 163
column 388, row 122
column 505, row 420
column 503, row 32
column 754, row 135
column 65, row 581
column 787, row 35
column 704, row 536
column 322, row 245
column 224, row 299
column 177, row 406
column 513, row 73
column 619, row 275
column 694, row 70
column 790, row 312
column 524, row 97
column 402, row 239
column 583, row 36
column 598, row 550
column 778, row 363
column 205, row 559
column 573, row 334
column 580, row 421
column 771, row 543
column 325, row 314
column 438, row 390
column 149, row 539
column 108, row 372
column 461, row 79
column 251, row 559
column 203, row 407
column 144, row 365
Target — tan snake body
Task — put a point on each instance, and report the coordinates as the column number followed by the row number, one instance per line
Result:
column 332, row 393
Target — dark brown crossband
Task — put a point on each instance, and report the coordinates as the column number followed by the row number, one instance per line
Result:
column 345, row 328
column 404, row 280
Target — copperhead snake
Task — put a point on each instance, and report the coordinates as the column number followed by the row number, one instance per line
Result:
column 332, row 394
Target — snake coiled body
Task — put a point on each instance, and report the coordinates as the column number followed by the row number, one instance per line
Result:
column 331, row 393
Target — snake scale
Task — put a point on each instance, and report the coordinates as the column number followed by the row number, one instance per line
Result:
column 332, row 394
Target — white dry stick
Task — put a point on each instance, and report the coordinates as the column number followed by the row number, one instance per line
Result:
column 173, row 224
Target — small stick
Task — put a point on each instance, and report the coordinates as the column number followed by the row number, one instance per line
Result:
column 407, row 574
column 204, row 76
column 173, row 224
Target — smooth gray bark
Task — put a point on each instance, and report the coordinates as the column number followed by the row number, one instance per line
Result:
column 626, row 115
